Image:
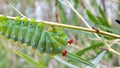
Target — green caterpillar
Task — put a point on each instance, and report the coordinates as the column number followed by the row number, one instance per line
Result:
column 52, row 41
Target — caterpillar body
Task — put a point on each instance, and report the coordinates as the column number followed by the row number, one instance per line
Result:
column 52, row 41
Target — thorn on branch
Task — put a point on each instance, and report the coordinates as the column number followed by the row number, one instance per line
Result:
column 97, row 31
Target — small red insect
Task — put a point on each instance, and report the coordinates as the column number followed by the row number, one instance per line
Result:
column 70, row 41
column 64, row 53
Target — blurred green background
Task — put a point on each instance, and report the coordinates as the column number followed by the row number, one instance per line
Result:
column 55, row 11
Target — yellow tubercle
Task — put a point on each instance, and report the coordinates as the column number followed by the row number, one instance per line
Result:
column 1, row 36
column 52, row 56
column 51, row 29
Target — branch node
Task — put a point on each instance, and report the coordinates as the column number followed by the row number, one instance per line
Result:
column 97, row 31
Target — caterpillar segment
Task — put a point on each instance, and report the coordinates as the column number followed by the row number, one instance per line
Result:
column 49, row 46
column 57, row 47
column 42, row 43
column 23, row 29
column 15, row 30
column 51, row 41
column 37, row 35
column 30, row 32
column 60, row 36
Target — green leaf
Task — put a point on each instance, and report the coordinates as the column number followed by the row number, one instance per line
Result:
column 94, row 46
column 29, row 59
column 64, row 62
column 62, row 13
column 79, row 59
column 100, row 19
column 98, row 58
column 105, row 21
column 74, row 17
column 92, row 18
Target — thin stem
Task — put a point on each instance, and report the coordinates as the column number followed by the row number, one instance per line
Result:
column 80, row 16
column 15, row 8
column 70, row 26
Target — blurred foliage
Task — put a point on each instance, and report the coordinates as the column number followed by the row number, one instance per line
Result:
column 85, row 45
column 5, row 63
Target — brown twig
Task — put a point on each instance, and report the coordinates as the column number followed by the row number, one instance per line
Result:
column 56, row 14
